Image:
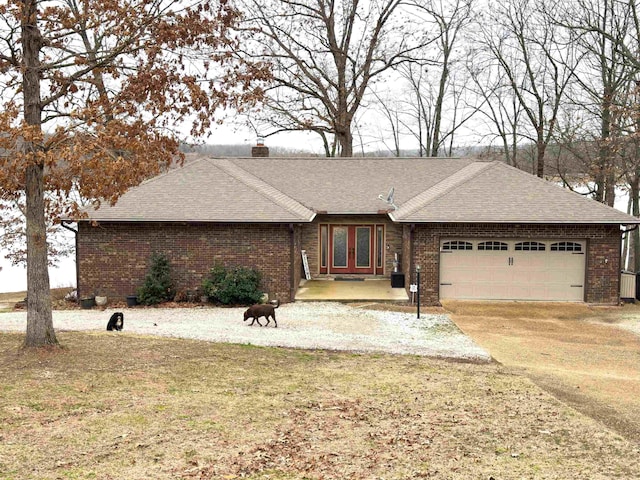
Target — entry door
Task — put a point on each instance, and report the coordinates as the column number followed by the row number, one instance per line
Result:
column 351, row 249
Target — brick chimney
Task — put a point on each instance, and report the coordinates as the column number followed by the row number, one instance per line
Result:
column 260, row 150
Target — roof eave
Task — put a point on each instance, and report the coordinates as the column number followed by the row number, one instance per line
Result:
column 192, row 220
column 523, row 221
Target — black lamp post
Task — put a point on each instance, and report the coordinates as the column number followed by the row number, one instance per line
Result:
column 418, row 285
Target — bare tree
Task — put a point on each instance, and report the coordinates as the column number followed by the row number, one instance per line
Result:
column 392, row 111
column 602, row 30
column 326, row 54
column 624, row 142
column 449, row 19
column 500, row 108
column 537, row 62
column 435, row 99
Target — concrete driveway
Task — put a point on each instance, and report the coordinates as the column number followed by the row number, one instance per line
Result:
column 588, row 357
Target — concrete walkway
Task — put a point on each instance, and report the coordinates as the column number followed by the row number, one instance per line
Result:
column 364, row 290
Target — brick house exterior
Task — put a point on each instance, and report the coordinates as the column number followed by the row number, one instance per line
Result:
column 263, row 212
column 114, row 257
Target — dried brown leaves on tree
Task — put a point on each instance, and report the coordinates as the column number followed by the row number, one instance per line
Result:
column 95, row 97
column 118, row 78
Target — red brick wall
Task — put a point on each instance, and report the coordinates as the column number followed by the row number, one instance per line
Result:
column 114, row 257
column 603, row 253
column 297, row 260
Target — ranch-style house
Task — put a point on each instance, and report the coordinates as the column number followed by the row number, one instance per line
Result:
column 477, row 230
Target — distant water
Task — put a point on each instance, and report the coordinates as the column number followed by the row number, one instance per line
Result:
column 14, row 279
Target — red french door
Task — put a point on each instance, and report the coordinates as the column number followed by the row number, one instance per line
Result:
column 351, row 249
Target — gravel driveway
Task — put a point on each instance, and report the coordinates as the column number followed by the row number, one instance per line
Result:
column 317, row 325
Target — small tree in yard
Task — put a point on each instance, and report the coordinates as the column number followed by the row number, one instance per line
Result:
column 92, row 97
column 157, row 286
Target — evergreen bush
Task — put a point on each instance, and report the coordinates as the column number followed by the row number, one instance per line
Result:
column 237, row 286
column 157, row 286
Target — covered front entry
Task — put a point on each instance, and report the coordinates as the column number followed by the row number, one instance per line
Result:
column 497, row 269
column 351, row 249
column 370, row 289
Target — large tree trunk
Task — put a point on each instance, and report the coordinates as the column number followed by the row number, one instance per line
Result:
column 606, row 181
column 437, row 114
column 540, row 150
column 345, row 140
column 39, row 320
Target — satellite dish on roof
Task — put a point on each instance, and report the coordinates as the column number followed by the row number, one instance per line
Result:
column 389, row 198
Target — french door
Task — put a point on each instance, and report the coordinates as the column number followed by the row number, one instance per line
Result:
column 351, row 249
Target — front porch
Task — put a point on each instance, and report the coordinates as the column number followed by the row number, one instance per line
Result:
column 349, row 289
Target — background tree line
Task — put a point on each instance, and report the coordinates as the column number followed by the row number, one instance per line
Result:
column 548, row 86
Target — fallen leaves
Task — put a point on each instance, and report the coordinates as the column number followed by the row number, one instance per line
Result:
column 165, row 408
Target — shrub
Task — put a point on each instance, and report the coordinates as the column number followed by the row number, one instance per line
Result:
column 231, row 287
column 213, row 281
column 157, row 286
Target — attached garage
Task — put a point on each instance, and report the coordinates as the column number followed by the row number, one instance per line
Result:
column 516, row 269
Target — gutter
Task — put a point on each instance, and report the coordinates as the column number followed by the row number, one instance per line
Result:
column 63, row 223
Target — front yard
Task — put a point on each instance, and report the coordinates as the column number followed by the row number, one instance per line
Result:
column 113, row 406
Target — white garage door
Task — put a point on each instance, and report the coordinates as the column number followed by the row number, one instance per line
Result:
column 512, row 269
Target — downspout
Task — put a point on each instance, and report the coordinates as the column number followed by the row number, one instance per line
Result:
column 622, row 234
column 63, row 223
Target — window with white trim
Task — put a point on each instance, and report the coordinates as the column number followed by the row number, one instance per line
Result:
column 566, row 247
column 457, row 245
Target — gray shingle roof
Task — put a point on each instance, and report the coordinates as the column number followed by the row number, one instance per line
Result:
column 503, row 194
column 205, row 190
column 351, row 185
column 295, row 189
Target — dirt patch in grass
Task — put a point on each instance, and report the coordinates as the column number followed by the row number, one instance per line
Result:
column 125, row 406
column 574, row 351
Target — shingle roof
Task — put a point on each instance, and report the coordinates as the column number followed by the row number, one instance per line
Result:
column 441, row 188
column 205, row 190
column 503, row 194
column 295, row 189
column 351, row 185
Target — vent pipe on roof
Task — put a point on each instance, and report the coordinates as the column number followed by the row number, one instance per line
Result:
column 260, row 150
